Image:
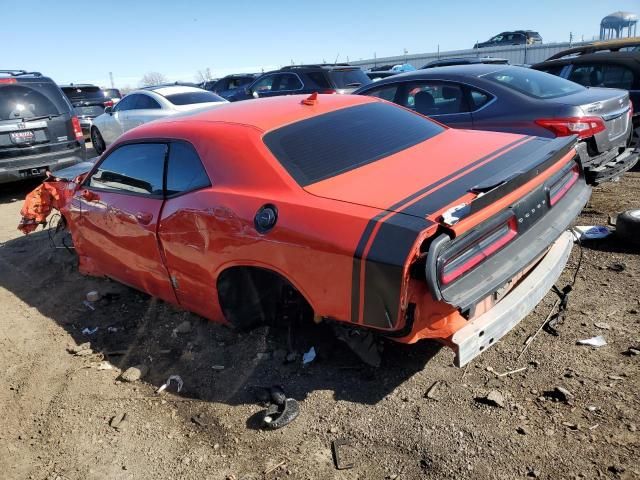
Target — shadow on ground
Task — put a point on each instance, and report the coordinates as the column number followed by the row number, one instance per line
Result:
column 216, row 363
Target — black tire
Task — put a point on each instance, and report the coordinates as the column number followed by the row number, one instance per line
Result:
column 628, row 226
column 97, row 141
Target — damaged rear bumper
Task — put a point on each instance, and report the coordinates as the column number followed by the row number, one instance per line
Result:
column 486, row 329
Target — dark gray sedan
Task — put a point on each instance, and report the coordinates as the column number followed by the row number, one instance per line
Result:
column 521, row 100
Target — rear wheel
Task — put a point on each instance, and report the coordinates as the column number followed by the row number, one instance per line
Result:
column 97, row 141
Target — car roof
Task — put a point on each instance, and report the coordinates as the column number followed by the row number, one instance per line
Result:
column 79, row 85
column 597, row 46
column 265, row 114
column 451, row 71
column 588, row 57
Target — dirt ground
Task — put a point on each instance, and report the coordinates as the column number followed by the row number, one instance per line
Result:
column 56, row 407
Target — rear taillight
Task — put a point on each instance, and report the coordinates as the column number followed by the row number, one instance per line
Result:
column 8, row 80
column 561, row 186
column 77, row 129
column 108, row 103
column 584, row 127
column 460, row 262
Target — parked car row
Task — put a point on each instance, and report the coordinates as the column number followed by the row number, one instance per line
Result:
column 472, row 93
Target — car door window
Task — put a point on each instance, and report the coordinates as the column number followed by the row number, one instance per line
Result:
column 434, row 98
column 286, row 82
column 617, row 76
column 145, row 102
column 264, row 85
column 127, row 103
column 185, row 172
column 387, row 92
column 134, row 168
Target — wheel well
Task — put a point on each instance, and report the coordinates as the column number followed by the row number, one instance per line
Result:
column 251, row 296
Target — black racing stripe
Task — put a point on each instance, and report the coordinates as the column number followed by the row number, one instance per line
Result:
column 384, row 266
column 364, row 239
column 355, row 274
column 457, row 188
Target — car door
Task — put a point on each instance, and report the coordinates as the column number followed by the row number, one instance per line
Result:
column 191, row 227
column 120, row 204
column 145, row 110
column 115, row 125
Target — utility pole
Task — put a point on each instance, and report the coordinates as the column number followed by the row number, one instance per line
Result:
column 570, row 38
column 111, row 79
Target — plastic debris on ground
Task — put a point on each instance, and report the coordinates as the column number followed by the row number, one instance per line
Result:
column 172, row 378
column 591, row 232
column 89, row 331
column 309, row 357
column 598, row 341
column 93, row 296
column 88, row 304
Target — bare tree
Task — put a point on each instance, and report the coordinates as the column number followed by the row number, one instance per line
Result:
column 152, row 78
column 204, row 75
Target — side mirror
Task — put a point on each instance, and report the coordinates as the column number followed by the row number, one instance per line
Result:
column 108, row 110
column 255, row 94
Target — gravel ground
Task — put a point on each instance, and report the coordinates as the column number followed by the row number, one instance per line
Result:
column 56, row 407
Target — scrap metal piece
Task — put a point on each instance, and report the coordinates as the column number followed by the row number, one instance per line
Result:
column 335, row 449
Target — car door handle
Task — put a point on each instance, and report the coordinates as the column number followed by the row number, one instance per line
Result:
column 90, row 196
column 144, row 218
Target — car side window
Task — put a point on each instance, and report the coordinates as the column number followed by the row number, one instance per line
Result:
column 264, row 85
column 387, row 92
column 133, row 168
column 617, row 76
column 435, row 98
column 185, row 172
column 127, row 103
column 554, row 70
column 287, row 82
column 145, row 102
column 479, row 99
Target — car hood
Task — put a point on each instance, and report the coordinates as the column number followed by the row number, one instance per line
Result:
column 452, row 167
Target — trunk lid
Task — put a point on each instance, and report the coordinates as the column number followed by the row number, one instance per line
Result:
column 456, row 165
column 610, row 104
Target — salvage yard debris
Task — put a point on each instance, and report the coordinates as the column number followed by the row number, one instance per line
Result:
column 596, row 342
column 591, row 232
column 133, row 374
column 173, row 378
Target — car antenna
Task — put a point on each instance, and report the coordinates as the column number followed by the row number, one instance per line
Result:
column 337, row 56
column 311, row 99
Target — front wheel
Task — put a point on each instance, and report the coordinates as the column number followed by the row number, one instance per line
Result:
column 97, row 141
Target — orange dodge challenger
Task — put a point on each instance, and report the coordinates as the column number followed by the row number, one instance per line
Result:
column 369, row 215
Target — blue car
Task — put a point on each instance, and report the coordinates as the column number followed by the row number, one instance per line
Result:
column 514, row 99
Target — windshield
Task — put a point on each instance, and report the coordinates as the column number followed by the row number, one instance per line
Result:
column 534, row 83
column 327, row 145
column 188, row 98
column 24, row 101
column 349, row 78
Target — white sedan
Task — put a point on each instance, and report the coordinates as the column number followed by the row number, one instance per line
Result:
column 147, row 104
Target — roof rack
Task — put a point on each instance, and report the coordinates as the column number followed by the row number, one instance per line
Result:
column 17, row 73
column 317, row 65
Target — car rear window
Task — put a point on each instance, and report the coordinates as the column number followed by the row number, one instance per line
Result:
column 533, row 83
column 33, row 99
column 112, row 93
column 188, row 98
column 348, row 78
column 83, row 94
column 337, row 142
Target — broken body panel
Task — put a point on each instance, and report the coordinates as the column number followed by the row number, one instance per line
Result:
column 365, row 247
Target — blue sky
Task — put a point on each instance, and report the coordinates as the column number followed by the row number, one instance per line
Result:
column 83, row 41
